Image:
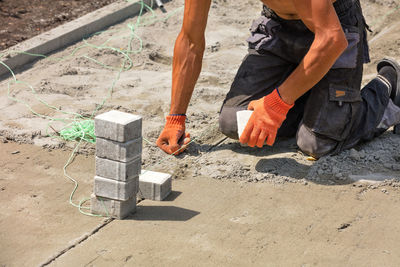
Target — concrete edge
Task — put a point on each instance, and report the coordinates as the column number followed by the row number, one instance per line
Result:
column 68, row 34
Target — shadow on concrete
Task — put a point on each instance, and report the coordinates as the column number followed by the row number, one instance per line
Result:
column 291, row 168
column 282, row 145
column 162, row 213
column 172, row 196
column 283, row 166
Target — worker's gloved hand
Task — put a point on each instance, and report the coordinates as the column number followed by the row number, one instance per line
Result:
column 173, row 139
column 269, row 113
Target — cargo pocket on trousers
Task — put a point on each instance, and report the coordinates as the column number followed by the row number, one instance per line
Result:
column 348, row 59
column 336, row 115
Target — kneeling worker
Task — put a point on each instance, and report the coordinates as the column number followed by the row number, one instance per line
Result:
column 301, row 77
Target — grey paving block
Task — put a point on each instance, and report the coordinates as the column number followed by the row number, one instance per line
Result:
column 154, row 185
column 116, row 190
column 118, row 126
column 123, row 152
column 112, row 208
column 120, row 171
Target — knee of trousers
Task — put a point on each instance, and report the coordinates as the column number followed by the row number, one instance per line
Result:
column 228, row 122
column 313, row 144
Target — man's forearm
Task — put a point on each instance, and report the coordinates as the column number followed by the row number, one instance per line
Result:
column 322, row 55
column 186, row 67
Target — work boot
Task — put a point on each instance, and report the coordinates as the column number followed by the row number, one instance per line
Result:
column 389, row 69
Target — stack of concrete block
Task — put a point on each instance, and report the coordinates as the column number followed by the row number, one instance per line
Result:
column 118, row 163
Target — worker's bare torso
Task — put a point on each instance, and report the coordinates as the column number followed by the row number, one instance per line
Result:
column 284, row 9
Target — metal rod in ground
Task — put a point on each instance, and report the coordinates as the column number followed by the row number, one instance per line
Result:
column 160, row 4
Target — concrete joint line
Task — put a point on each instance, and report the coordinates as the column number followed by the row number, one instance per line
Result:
column 383, row 32
column 77, row 242
column 153, row 191
column 68, row 34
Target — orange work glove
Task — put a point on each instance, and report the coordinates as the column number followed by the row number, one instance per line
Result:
column 173, row 139
column 269, row 113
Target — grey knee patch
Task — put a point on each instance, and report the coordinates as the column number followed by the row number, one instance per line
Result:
column 227, row 121
column 313, row 145
column 391, row 116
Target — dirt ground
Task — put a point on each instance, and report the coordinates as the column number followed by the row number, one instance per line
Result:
column 232, row 205
column 23, row 19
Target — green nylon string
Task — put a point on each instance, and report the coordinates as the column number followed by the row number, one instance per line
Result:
column 82, row 130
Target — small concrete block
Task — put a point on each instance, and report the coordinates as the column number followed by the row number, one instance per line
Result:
column 118, row 126
column 112, row 208
column 154, row 185
column 116, row 190
column 120, row 171
column 123, row 152
column 242, row 117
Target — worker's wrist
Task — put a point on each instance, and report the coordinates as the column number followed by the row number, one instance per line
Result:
column 284, row 97
column 274, row 102
column 176, row 119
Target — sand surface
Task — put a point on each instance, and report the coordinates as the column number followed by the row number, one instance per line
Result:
column 236, row 205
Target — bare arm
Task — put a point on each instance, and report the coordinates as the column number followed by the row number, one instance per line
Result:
column 329, row 42
column 186, row 66
column 188, row 54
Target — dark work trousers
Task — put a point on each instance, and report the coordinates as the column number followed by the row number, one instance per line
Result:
column 333, row 115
